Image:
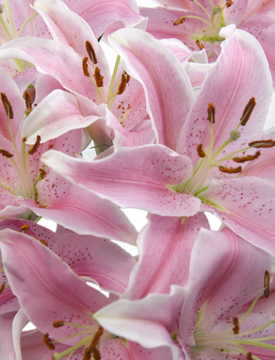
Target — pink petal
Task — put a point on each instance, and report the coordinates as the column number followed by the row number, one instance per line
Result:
column 6, row 343
column 149, row 61
column 133, row 177
column 164, row 254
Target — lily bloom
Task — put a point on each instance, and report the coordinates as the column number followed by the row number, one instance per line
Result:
column 215, row 141
column 228, row 305
column 198, row 23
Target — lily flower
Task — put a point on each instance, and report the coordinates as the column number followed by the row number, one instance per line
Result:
column 27, row 184
column 215, row 141
column 198, row 23
column 228, row 308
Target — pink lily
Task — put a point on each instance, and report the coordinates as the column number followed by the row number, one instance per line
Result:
column 163, row 182
column 27, row 184
column 224, row 314
column 67, row 305
column 197, row 23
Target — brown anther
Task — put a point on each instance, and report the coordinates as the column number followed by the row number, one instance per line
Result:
column 96, row 354
column 28, row 111
column 97, row 336
column 43, row 242
column 266, row 284
column 262, row 143
column 98, row 78
column 243, row 159
column 201, row 153
column 25, row 227
column 128, row 77
column 24, row 139
column 91, row 52
column 122, row 85
column 7, row 105
column 249, row 356
column 48, row 342
column 85, row 66
column 2, row 288
column 58, row 323
column 35, row 146
column 200, row 44
column 248, row 111
column 236, row 327
column 179, row 21
column 42, row 173
column 230, row 170
column 27, row 98
column 6, row 153
column 229, row 3
column 211, row 113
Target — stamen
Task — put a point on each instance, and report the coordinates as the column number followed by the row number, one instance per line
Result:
column 92, row 347
column 48, row 342
column 7, row 105
column 98, row 77
column 246, row 158
column 122, row 85
column 229, row 3
column 6, row 153
column 230, row 170
column 248, row 111
column 236, row 327
column 179, row 21
column 85, row 66
column 27, row 98
column 200, row 45
column 266, row 284
column 262, row 143
column 128, row 77
column 91, row 52
column 211, row 113
column 1, row 9
column 97, row 336
column 2, row 288
column 42, row 173
column 25, row 227
column 58, row 323
column 100, row 37
column 249, row 356
column 201, row 153
column 43, row 242
column 35, row 146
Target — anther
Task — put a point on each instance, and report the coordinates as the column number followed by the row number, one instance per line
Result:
column 266, row 284
column 7, row 105
column 6, row 153
column 58, row 323
column 2, row 288
column 236, row 327
column 201, row 153
column 200, row 45
column 262, row 143
column 229, row 3
column 27, row 98
column 211, row 113
column 85, row 66
column 249, row 356
column 100, row 37
column 91, row 52
column 216, row 10
column 1, row 9
column 48, row 342
column 43, row 242
column 25, row 227
column 127, row 76
column 98, row 78
column 42, row 173
column 243, row 159
column 248, row 111
column 97, row 336
column 179, row 21
column 35, row 146
column 96, row 354
column 230, row 170
column 122, row 85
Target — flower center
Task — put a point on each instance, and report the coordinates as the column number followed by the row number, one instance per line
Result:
column 210, row 160
column 231, row 341
column 20, row 160
column 214, row 21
